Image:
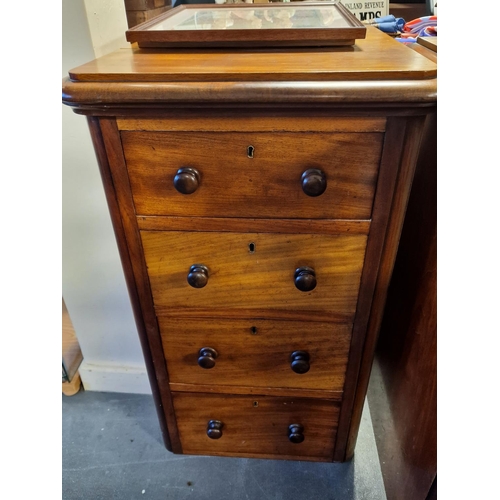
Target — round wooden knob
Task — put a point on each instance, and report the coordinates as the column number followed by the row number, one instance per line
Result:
column 187, row 180
column 299, row 361
column 296, row 433
column 206, row 357
column 198, row 275
column 313, row 182
column 214, row 429
column 305, row 279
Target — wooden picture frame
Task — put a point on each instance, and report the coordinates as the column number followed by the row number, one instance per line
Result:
column 294, row 24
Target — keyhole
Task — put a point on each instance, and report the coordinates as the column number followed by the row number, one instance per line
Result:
column 250, row 151
column 253, row 330
column 255, row 404
column 251, row 247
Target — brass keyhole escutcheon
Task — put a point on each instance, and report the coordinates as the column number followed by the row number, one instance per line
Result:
column 250, row 151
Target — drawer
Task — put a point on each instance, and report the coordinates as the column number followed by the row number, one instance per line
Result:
column 257, row 425
column 257, row 353
column 256, row 272
column 230, row 184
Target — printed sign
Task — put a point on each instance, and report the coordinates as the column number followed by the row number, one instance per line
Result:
column 365, row 11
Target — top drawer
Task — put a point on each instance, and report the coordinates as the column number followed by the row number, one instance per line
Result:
column 253, row 174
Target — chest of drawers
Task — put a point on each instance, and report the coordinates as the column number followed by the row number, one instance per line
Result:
column 257, row 199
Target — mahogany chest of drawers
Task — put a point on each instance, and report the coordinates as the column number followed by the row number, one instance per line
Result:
column 257, row 199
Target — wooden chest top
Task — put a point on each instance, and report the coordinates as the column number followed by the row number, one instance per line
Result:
column 376, row 57
column 377, row 69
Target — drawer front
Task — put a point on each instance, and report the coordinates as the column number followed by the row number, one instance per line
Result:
column 257, row 353
column 256, row 425
column 254, row 272
column 230, row 184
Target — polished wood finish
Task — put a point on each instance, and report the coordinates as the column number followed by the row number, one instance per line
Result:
column 420, row 49
column 287, row 226
column 233, row 185
column 322, row 36
column 256, row 352
column 262, row 280
column 313, row 182
column 305, row 279
column 397, row 166
column 214, row 429
column 403, row 386
column 260, row 391
column 362, row 62
column 198, row 276
column 356, row 115
column 207, row 357
column 410, row 10
column 147, row 99
column 187, row 180
column 106, row 141
column 141, row 15
column 275, row 121
column 429, row 42
column 145, row 4
column 296, row 433
column 256, row 425
column 300, row 362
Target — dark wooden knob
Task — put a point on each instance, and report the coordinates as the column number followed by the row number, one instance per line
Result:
column 296, row 433
column 299, row 361
column 305, row 279
column 206, row 357
column 198, row 275
column 187, row 180
column 313, row 182
column 214, row 429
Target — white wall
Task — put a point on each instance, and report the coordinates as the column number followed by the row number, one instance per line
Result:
column 93, row 284
column 107, row 22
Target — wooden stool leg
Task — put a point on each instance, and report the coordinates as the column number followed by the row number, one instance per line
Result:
column 71, row 388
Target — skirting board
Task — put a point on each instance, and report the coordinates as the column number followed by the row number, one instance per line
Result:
column 112, row 378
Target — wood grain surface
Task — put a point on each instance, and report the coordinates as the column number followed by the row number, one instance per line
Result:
column 256, row 352
column 430, row 42
column 147, row 99
column 271, row 121
column 267, row 185
column 387, row 180
column 368, row 102
column 403, row 385
column 361, row 62
column 260, row 391
column 219, row 224
column 240, row 36
column 106, row 141
column 405, row 138
column 250, row 429
column 263, row 280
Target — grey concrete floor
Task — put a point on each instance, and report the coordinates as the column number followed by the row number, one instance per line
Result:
column 112, row 450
